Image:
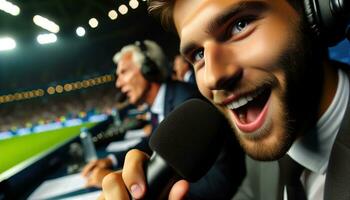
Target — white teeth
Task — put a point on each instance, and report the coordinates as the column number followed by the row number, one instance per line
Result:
column 243, row 100
column 249, row 98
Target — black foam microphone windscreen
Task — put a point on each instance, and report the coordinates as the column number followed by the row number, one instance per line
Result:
column 186, row 144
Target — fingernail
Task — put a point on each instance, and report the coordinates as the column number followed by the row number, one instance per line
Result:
column 136, row 191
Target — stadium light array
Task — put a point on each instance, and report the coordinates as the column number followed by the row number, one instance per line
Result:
column 7, row 43
column 9, row 7
column 112, row 14
column 80, row 31
column 18, row 96
column 133, row 4
column 93, row 22
column 123, row 9
column 46, row 24
column 68, row 87
column 46, row 38
column 57, row 89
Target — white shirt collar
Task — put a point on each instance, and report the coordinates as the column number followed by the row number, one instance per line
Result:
column 187, row 76
column 314, row 149
column 158, row 104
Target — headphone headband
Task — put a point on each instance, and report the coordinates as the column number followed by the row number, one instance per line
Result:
column 149, row 69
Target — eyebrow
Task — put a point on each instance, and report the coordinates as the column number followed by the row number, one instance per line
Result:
column 226, row 15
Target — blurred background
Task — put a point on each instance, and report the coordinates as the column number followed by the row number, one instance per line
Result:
column 56, row 69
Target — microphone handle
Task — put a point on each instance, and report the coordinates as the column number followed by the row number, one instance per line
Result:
column 160, row 178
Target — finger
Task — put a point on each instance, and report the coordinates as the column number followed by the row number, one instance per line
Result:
column 93, row 178
column 86, row 170
column 133, row 173
column 89, row 182
column 114, row 188
column 106, row 163
column 179, row 190
column 101, row 196
column 98, row 175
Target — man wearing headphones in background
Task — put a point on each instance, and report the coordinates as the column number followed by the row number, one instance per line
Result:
column 294, row 122
column 142, row 75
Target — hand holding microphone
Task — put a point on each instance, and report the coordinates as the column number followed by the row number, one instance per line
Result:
column 185, row 145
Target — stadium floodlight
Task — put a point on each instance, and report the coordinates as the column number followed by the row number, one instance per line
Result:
column 7, row 43
column 46, row 24
column 9, row 7
column 93, row 22
column 133, row 4
column 112, row 14
column 123, row 9
column 80, row 31
column 46, row 38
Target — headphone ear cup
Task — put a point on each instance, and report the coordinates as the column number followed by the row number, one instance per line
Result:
column 341, row 7
column 150, row 70
column 328, row 19
column 311, row 16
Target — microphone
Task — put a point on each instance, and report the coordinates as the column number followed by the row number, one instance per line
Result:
column 185, row 145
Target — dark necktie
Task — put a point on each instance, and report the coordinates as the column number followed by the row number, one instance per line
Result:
column 290, row 172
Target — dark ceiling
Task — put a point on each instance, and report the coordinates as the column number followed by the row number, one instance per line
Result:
column 71, row 58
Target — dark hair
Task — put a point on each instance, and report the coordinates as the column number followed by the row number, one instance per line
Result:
column 164, row 10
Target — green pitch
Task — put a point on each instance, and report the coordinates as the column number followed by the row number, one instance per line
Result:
column 16, row 150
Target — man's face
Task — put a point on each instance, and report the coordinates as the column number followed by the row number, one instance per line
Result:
column 180, row 67
column 249, row 61
column 130, row 80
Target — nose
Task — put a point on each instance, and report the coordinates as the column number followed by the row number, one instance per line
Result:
column 118, row 82
column 221, row 68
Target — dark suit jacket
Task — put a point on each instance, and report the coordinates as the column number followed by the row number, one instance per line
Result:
column 175, row 94
column 261, row 182
column 224, row 177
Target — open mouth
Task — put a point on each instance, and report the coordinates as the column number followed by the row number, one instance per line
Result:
column 250, row 110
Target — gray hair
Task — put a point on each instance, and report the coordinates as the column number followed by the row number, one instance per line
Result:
column 153, row 51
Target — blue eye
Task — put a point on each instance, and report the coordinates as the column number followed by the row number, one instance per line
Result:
column 198, row 55
column 239, row 26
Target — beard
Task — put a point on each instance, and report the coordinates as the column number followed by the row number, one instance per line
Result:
column 299, row 104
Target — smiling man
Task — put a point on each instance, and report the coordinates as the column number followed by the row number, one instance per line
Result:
column 265, row 65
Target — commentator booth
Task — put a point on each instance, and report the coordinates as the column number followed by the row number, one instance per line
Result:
column 19, row 181
column 65, row 157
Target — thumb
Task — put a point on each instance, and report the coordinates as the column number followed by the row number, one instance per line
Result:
column 179, row 190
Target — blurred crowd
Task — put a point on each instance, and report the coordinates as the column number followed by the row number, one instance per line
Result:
column 48, row 109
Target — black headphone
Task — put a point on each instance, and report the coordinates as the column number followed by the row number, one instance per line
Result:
column 328, row 19
column 149, row 69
